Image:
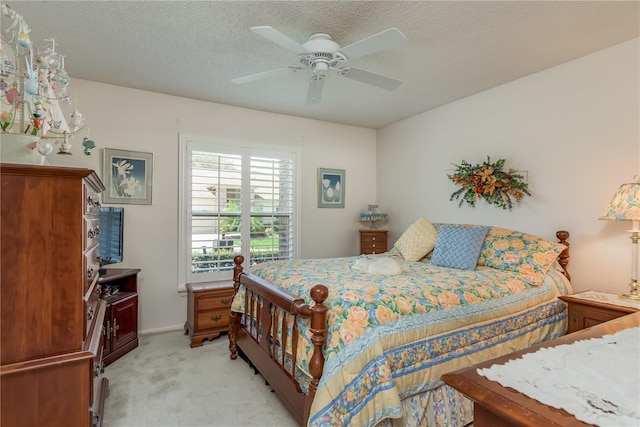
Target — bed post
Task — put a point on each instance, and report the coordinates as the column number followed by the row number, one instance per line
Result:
column 563, row 258
column 318, row 328
column 234, row 318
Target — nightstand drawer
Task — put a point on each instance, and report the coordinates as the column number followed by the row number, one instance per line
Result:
column 210, row 302
column 213, row 319
column 582, row 316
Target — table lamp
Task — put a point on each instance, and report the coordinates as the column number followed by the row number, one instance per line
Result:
column 373, row 215
column 625, row 206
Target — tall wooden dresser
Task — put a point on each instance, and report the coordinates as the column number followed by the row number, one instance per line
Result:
column 51, row 318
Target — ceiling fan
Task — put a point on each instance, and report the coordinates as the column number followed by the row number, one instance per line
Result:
column 322, row 55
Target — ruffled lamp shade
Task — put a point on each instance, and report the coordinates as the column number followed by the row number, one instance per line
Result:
column 373, row 215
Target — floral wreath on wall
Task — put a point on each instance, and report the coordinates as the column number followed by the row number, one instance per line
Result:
column 488, row 181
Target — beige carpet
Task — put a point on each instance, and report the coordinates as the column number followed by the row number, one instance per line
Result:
column 164, row 382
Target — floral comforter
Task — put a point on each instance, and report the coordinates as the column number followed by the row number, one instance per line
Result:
column 392, row 336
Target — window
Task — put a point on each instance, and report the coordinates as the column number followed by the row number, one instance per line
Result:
column 235, row 200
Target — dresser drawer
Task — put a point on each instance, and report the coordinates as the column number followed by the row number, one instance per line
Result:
column 90, row 268
column 91, row 231
column 91, row 308
column 91, row 201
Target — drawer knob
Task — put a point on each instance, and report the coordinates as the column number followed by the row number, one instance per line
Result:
column 94, row 232
column 216, row 318
column 226, row 301
column 93, row 201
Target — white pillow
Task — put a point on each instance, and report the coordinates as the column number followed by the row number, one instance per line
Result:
column 388, row 266
column 362, row 264
column 418, row 240
column 382, row 265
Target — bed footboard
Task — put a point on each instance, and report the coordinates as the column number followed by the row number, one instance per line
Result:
column 263, row 327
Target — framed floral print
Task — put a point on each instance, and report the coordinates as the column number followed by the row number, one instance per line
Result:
column 127, row 177
column 331, row 188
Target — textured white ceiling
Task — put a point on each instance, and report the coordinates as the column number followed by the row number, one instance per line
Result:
column 194, row 48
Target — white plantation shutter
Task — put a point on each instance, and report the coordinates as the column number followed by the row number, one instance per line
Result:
column 235, row 201
column 271, row 210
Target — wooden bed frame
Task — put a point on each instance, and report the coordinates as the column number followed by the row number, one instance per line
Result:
column 261, row 352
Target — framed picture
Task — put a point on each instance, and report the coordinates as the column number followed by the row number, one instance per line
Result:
column 331, row 188
column 127, row 177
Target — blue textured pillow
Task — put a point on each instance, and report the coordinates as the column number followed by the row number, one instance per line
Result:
column 458, row 246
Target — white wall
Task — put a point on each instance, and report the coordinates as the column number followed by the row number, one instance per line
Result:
column 128, row 119
column 575, row 128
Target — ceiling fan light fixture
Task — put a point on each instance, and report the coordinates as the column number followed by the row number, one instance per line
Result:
column 314, row 94
column 320, row 67
column 320, row 54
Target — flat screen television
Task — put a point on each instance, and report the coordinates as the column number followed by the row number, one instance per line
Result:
column 111, row 236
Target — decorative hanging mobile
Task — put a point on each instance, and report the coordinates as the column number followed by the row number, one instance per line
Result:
column 490, row 182
column 33, row 84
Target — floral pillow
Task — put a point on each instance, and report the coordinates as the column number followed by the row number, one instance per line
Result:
column 523, row 253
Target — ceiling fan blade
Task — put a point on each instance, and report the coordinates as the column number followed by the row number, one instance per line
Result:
column 252, row 77
column 370, row 78
column 278, row 38
column 315, row 89
column 376, row 43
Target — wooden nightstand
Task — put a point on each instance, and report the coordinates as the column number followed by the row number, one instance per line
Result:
column 590, row 308
column 373, row 241
column 208, row 310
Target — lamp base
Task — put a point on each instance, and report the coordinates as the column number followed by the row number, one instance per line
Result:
column 633, row 293
column 629, row 297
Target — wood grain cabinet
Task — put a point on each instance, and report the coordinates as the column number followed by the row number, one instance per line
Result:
column 51, row 314
column 119, row 288
column 373, row 241
column 592, row 308
column 208, row 310
column 498, row 406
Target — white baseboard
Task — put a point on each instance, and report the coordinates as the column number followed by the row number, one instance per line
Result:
column 160, row 330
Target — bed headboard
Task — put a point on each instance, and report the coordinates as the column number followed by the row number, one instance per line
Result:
column 563, row 258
